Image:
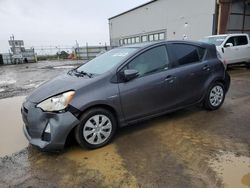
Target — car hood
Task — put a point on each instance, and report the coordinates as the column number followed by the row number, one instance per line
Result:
column 57, row 86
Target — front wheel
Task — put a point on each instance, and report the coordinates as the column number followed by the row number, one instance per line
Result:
column 215, row 96
column 96, row 129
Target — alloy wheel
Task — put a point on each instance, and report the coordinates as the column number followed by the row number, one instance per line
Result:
column 97, row 129
column 216, row 95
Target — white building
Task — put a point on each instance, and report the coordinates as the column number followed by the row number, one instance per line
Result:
column 175, row 19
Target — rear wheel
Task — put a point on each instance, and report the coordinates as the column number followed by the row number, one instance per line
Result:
column 215, row 96
column 96, row 129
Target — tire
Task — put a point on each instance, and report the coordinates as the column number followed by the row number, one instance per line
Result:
column 96, row 129
column 215, row 96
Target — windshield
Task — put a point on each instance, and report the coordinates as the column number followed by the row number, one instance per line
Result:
column 106, row 61
column 217, row 41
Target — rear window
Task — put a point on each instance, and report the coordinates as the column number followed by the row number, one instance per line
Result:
column 187, row 54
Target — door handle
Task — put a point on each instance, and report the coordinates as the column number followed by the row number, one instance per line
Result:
column 206, row 68
column 170, row 79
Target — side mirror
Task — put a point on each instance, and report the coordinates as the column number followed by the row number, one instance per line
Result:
column 228, row 45
column 129, row 74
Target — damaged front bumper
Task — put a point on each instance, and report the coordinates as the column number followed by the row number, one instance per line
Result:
column 46, row 130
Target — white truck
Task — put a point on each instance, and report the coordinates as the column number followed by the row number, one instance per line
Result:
column 233, row 48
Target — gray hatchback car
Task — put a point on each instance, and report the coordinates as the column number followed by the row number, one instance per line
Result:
column 120, row 87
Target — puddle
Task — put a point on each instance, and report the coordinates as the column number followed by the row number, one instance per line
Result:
column 246, row 180
column 7, row 82
column 233, row 170
column 12, row 138
column 2, row 90
column 28, row 86
column 64, row 67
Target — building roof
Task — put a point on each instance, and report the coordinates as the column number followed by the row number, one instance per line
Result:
column 152, row 1
column 147, row 44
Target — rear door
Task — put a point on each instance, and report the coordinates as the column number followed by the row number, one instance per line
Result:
column 244, row 48
column 191, row 72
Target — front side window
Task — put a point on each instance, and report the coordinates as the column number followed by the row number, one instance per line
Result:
column 106, row 61
column 238, row 40
column 231, row 40
column 187, row 54
column 151, row 61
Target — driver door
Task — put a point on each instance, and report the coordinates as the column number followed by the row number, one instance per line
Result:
column 145, row 94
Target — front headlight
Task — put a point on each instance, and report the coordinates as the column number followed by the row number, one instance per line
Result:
column 57, row 103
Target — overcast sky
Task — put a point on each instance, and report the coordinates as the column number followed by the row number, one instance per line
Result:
column 59, row 22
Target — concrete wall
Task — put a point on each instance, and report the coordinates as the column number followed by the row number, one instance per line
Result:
column 167, row 15
column 90, row 52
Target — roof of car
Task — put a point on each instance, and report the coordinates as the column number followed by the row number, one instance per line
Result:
column 148, row 44
column 225, row 35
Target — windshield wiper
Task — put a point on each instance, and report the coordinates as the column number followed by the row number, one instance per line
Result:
column 86, row 74
column 80, row 73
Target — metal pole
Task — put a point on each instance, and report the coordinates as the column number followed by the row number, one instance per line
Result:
column 87, row 51
column 244, row 17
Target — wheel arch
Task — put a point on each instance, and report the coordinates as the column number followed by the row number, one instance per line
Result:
column 104, row 106
column 209, row 83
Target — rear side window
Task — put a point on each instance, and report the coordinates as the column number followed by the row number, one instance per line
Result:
column 187, row 54
column 241, row 40
column 151, row 61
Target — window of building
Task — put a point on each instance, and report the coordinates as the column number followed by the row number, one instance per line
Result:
column 151, row 61
column 187, row 54
column 162, row 36
column 121, row 42
column 156, row 36
column 129, row 40
column 125, row 41
column 151, row 37
column 133, row 40
column 144, row 38
column 137, row 39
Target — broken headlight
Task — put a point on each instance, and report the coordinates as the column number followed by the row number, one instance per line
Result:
column 57, row 103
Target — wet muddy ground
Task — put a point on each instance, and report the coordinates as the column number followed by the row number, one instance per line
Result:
column 23, row 78
column 187, row 148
